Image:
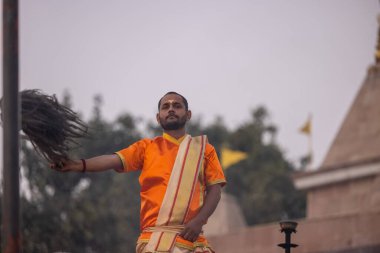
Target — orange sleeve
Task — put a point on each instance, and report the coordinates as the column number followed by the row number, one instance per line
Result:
column 132, row 157
column 212, row 168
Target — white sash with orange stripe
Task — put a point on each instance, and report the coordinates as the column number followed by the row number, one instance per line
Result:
column 178, row 195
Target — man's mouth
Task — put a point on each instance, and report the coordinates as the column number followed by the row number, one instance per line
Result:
column 172, row 117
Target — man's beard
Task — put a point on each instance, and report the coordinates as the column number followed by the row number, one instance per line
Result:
column 173, row 125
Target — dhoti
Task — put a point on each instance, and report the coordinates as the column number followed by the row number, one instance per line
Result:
column 141, row 249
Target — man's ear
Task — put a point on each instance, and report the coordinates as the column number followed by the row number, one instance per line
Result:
column 158, row 118
column 188, row 115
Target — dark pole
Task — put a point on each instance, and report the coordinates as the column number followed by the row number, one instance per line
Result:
column 288, row 227
column 10, row 115
column 287, row 242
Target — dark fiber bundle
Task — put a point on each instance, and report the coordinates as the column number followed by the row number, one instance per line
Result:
column 50, row 126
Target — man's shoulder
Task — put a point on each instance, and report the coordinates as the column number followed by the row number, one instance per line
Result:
column 148, row 140
column 209, row 146
column 210, row 149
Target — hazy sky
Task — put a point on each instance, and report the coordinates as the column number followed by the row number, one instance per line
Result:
column 296, row 57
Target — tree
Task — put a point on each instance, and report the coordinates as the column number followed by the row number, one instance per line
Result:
column 82, row 212
column 114, row 196
column 262, row 183
column 217, row 133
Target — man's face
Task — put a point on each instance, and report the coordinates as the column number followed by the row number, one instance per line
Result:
column 172, row 114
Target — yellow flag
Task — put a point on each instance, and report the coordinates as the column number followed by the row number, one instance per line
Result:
column 306, row 128
column 230, row 157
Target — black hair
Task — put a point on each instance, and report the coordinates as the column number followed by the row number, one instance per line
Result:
column 175, row 93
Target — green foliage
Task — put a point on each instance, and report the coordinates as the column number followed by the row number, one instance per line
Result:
column 217, row 134
column 91, row 212
column 262, row 183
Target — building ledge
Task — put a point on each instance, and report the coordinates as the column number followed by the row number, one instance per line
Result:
column 323, row 177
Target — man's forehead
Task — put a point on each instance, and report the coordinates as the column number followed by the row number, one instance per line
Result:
column 171, row 98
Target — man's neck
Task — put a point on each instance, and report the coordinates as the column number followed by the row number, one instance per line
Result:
column 176, row 133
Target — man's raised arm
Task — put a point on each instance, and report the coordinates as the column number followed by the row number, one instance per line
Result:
column 94, row 164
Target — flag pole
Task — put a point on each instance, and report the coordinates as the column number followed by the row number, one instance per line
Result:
column 307, row 129
column 310, row 138
column 311, row 141
column 10, row 117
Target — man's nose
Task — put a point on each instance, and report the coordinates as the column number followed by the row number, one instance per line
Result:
column 171, row 108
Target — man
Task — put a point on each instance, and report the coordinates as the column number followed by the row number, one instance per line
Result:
column 181, row 180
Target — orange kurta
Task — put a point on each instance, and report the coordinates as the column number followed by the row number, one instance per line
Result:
column 155, row 158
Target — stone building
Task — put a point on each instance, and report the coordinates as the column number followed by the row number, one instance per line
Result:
column 343, row 194
column 230, row 213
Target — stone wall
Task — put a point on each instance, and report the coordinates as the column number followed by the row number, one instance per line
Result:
column 355, row 196
column 356, row 233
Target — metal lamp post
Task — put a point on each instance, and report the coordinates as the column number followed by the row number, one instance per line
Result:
column 288, row 227
column 10, row 115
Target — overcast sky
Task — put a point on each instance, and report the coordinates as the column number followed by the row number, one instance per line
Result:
column 295, row 57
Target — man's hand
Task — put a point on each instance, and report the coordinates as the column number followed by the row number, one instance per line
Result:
column 68, row 165
column 192, row 230
column 194, row 227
